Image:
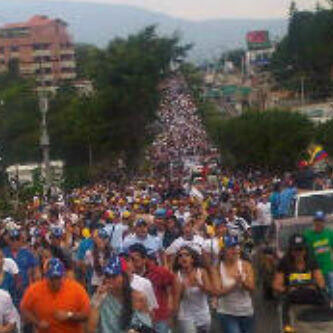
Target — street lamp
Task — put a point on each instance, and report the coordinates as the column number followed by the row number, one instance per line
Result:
column 45, row 140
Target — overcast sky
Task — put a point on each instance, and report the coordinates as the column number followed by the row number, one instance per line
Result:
column 205, row 9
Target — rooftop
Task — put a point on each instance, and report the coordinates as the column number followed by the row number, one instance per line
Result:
column 37, row 20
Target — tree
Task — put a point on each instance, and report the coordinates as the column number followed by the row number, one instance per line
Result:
column 307, row 50
column 20, row 120
column 324, row 136
column 271, row 139
column 115, row 119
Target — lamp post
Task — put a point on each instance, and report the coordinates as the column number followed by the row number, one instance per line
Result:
column 45, row 140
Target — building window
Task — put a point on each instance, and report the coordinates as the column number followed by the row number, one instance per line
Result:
column 43, row 71
column 67, row 57
column 40, row 59
column 41, row 46
column 67, row 46
column 67, row 70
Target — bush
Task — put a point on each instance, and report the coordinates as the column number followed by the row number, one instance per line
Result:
column 271, row 139
column 324, row 136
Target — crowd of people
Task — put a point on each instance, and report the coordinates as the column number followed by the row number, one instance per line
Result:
column 161, row 253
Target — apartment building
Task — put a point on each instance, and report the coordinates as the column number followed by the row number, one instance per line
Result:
column 40, row 47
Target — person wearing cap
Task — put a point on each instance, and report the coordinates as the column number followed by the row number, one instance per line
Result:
column 298, row 278
column 56, row 304
column 25, row 260
column 141, row 235
column 215, row 243
column 58, row 250
column 116, row 307
column 116, row 229
column 164, row 284
column 97, row 257
column 320, row 242
column 234, row 283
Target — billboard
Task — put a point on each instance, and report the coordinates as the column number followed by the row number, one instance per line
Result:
column 258, row 40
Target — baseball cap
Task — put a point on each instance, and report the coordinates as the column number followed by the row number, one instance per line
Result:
column 160, row 213
column 319, row 216
column 126, row 214
column 56, row 268
column 56, row 232
column 297, row 241
column 37, row 232
column 231, row 241
column 102, row 233
column 140, row 222
column 14, row 234
column 115, row 266
column 219, row 221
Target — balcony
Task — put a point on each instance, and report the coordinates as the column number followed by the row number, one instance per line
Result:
column 41, row 65
column 69, row 51
column 42, row 53
column 67, row 76
column 45, row 77
column 27, row 69
column 68, row 64
column 14, row 54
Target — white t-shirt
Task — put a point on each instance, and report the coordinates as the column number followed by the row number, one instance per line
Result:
column 8, row 312
column 264, row 216
column 197, row 243
column 10, row 266
column 144, row 286
column 116, row 233
column 211, row 246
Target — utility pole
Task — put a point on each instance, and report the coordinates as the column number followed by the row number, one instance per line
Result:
column 302, row 90
column 44, row 137
column 45, row 141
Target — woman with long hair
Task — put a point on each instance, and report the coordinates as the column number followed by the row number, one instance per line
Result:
column 195, row 287
column 234, row 285
column 97, row 257
column 116, row 308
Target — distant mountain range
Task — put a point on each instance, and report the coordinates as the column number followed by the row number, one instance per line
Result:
column 99, row 23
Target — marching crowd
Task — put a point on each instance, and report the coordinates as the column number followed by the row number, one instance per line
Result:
column 161, row 253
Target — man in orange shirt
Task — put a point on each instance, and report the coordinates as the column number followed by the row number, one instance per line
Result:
column 56, row 304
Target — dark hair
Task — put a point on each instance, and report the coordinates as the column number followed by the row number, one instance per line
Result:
column 138, row 248
column 194, row 254
column 127, row 308
column 290, row 259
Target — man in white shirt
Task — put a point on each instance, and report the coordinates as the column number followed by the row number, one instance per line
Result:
column 263, row 219
column 144, row 286
column 141, row 236
column 9, row 317
column 188, row 238
column 141, row 284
